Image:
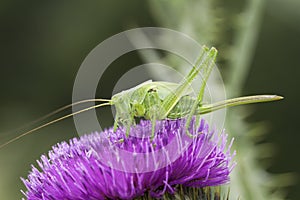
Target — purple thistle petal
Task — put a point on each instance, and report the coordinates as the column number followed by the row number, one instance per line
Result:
column 95, row 166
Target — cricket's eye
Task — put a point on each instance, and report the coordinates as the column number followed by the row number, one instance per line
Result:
column 138, row 109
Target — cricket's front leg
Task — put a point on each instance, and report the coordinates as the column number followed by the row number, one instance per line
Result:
column 116, row 122
column 124, row 115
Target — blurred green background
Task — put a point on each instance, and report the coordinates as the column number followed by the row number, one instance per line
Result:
column 44, row 43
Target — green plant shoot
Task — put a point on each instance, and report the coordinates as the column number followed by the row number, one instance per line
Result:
column 162, row 100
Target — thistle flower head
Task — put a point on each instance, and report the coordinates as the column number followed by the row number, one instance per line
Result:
column 109, row 165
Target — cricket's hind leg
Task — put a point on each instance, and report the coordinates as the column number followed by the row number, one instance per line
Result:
column 209, row 64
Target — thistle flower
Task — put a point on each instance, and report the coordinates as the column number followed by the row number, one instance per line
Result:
column 109, row 165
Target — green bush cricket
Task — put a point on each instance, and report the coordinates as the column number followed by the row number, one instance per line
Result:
column 161, row 100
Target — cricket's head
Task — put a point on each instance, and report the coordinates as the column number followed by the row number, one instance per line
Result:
column 118, row 98
column 124, row 103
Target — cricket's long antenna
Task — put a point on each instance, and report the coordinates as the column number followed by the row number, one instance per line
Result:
column 56, row 120
column 55, row 112
column 237, row 101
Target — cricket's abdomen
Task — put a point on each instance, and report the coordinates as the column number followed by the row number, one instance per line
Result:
column 182, row 108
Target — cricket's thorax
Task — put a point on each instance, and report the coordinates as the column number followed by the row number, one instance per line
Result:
column 151, row 105
column 129, row 103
